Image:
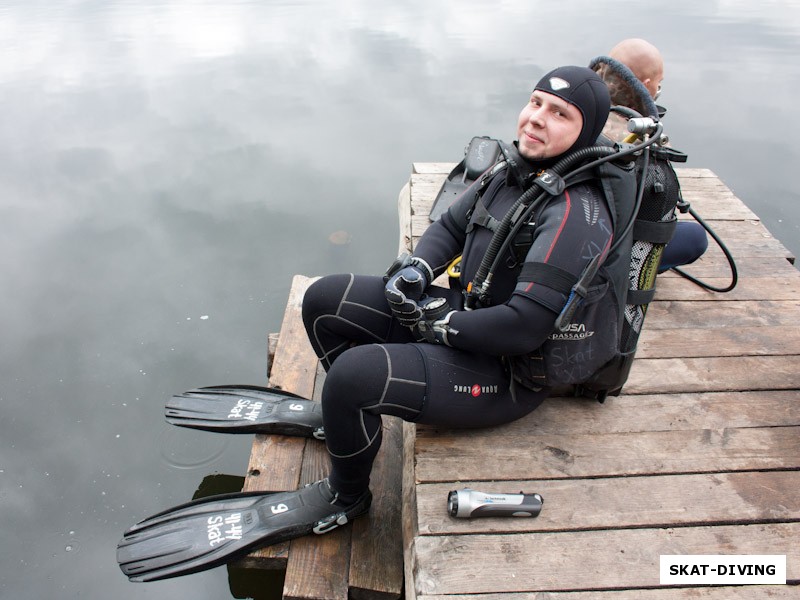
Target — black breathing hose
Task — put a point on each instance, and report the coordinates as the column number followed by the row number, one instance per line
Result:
column 483, row 274
column 504, row 234
column 725, row 251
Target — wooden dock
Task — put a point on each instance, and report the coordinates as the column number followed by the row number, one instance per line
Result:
column 700, row 455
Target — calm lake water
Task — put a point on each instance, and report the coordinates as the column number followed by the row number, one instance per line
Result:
column 168, row 166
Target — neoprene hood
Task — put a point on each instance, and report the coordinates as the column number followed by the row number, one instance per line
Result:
column 584, row 89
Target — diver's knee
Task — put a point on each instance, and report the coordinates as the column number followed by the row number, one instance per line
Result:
column 698, row 239
column 358, row 375
column 323, row 296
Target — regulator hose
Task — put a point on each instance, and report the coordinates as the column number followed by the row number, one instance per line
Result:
column 504, row 234
column 722, row 246
column 483, row 275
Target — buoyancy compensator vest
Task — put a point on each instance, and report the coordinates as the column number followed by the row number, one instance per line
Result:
column 572, row 359
column 592, row 347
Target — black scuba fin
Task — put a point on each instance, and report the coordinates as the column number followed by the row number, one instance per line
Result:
column 481, row 154
column 246, row 409
column 210, row 532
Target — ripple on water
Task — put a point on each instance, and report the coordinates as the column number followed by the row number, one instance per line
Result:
column 186, row 449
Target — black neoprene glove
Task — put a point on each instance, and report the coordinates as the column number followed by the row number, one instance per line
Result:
column 406, row 282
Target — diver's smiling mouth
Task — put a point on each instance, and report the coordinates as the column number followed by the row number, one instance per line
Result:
column 533, row 138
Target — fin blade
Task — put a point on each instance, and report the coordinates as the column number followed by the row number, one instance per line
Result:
column 212, row 531
column 245, row 409
column 191, row 537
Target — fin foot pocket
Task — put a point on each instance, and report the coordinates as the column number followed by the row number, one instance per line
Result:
column 246, row 409
column 210, row 532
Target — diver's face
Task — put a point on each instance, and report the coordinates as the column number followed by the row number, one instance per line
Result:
column 548, row 126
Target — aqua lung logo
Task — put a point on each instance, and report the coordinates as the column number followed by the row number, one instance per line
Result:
column 556, row 83
column 475, row 390
column 574, row 331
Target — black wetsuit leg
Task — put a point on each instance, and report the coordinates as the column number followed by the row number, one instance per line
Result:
column 424, row 383
column 340, row 311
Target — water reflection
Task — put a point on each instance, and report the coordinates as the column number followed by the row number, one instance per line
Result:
column 165, row 161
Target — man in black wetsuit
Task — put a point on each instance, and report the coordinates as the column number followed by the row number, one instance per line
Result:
column 382, row 354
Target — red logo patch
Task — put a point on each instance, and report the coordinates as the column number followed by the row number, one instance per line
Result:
column 476, row 390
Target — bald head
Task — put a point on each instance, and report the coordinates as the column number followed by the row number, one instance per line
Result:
column 644, row 59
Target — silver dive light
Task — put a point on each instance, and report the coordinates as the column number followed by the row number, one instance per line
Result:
column 469, row 503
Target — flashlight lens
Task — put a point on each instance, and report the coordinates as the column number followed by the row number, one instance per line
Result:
column 452, row 503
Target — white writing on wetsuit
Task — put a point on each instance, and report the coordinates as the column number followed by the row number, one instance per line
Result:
column 217, row 532
column 245, row 409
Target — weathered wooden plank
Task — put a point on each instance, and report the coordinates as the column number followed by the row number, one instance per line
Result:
column 724, row 341
column 409, row 517
column 442, row 168
column 694, row 172
column 744, row 239
column 275, row 461
column 752, row 592
column 713, row 374
column 318, row 566
column 723, row 205
column 272, row 346
column 470, row 456
column 625, row 502
column 747, row 288
column 676, row 314
column 404, row 213
column 632, row 414
column 376, row 560
column 589, row 560
column 714, row 265
column 710, row 197
column 711, row 184
column 734, row 232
